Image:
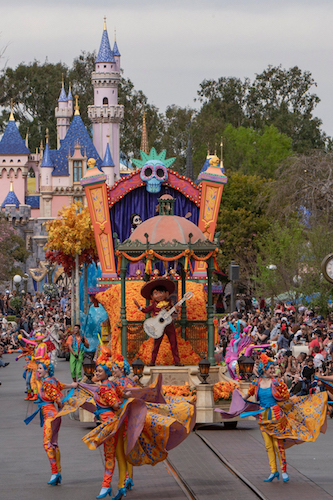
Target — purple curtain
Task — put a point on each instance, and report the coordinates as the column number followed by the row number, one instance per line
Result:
column 143, row 203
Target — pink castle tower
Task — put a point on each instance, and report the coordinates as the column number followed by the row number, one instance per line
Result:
column 106, row 114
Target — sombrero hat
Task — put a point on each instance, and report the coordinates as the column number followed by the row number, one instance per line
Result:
column 148, row 288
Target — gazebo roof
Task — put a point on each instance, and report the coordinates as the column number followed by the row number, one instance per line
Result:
column 167, row 234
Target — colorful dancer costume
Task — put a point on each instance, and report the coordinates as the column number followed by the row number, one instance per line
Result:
column 158, row 290
column 120, row 370
column 283, row 421
column 40, row 352
column 76, row 344
column 49, row 394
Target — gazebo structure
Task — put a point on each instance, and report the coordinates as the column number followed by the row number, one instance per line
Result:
column 168, row 238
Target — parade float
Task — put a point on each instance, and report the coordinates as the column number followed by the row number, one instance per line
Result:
column 156, row 222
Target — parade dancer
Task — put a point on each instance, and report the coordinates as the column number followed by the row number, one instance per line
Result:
column 121, row 370
column 107, row 403
column 76, row 344
column 283, row 421
column 49, row 394
column 158, row 291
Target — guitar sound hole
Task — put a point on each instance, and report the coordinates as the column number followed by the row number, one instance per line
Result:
column 161, row 320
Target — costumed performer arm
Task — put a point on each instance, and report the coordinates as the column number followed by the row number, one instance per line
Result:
column 109, row 397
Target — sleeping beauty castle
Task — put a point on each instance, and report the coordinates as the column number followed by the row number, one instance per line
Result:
column 35, row 186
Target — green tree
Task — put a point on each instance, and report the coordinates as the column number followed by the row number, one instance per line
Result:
column 280, row 260
column 135, row 103
column 304, row 185
column 80, row 77
column 12, row 250
column 316, row 291
column 177, row 127
column 242, row 221
column 255, row 152
column 34, row 89
column 284, row 98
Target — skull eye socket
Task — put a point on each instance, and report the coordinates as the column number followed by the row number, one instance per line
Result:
column 148, row 171
column 160, row 172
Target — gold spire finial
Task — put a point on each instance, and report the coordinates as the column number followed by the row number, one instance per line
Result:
column 77, row 107
column 11, row 184
column 27, row 138
column 115, row 35
column 104, row 23
column 144, row 138
column 62, row 80
column 11, row 117
column 47, row 136
column 69, row 87
column 221, row 161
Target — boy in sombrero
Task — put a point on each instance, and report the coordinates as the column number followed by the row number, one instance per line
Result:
column 158, row 291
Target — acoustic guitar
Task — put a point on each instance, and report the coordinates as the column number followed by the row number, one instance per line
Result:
column 154, row 327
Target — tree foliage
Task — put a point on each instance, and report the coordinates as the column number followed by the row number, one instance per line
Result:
column 12, row 250
column 69, row 235
column 255, row 152
column 135, row 103
column 277, row 96
column 241, row 222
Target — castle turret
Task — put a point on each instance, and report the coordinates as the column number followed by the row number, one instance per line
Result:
column 106, row 114
column 116, row 53
column 108, row 166
column 63, row 114
column 46, row 169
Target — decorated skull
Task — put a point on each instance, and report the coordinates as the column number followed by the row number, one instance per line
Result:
column 135, row 221
column 154, row 173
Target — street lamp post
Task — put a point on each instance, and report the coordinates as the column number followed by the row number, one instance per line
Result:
column 25, row 282
column 17, row 281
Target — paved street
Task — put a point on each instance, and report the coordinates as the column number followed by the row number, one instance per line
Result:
column 194, row 469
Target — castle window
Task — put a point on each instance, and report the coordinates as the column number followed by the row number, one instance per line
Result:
column 105, row 100
column 18, row 161
column 11, row 161
column 77, row 171
column 104, row 65
column 3, row 161
column 78, row 198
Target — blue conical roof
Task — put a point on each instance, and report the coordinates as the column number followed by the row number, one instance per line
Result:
column 12, row 142
column 105, row 52
column 11, row 199
column 63, row 96
column 47, row 161
column 76, row 132
column 115, row 49
column 107, row 162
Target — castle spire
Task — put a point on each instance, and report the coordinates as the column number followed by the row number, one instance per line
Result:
column 11, row 184
column 144, row 138
column 105, row 53
column 70, row 97
column 63, row 96
column 76, row 107
column 27, row 138
column 11, row 117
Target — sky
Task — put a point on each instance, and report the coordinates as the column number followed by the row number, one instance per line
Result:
column 169, row 47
